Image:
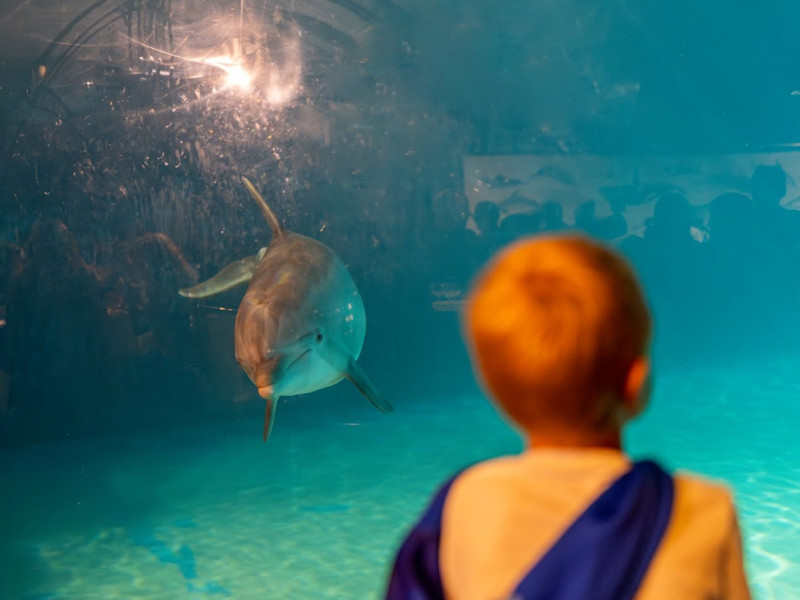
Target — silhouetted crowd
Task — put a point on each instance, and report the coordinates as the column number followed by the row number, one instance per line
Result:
column 719, row 276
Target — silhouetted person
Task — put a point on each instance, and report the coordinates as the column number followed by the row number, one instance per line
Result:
column 452, row 259
column 672, row 221
column 523, row 222
column 153, row 268
column 10, row 258
column 552, row 216
column 10, row 263
column 781, row 230
column 745, row 271
column 451, row 245
column 674, row 264
column 56, row 319
column 487, row 220
column 768, row 187
column 781, row 226
column 606, row 228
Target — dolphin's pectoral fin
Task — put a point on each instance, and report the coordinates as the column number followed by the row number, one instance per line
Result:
column 356, row 374
column 234, row 274
column 269, row 416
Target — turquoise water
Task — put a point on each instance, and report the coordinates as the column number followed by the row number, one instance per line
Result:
column 380, row 128
column 211, row 512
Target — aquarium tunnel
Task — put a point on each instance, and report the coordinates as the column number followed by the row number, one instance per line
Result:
column 412, row 139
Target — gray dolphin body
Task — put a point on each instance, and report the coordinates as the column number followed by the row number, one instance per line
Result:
column 301, row 324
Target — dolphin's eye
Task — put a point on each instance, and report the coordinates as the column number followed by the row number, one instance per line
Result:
column 319, row 336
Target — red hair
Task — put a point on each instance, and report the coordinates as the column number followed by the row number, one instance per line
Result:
column 554, row 324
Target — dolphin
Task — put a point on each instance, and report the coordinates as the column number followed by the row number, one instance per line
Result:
column 301, row 324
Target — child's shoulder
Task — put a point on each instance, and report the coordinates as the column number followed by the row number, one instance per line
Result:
column 702, row 499
column 701, row 545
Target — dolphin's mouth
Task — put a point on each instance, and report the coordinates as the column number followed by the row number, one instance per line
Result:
column 268, row 391
column 296, row 360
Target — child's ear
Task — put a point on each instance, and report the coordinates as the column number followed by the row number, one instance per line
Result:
column 637, row 386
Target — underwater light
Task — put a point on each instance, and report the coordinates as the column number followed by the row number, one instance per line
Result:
column 238, row 78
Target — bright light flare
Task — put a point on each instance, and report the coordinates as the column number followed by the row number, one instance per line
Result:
column 279, row 78
column 238, row 78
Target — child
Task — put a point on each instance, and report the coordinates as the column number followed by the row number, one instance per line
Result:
column 558, row 331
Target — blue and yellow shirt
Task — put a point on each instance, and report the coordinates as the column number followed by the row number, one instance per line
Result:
column 501, row 518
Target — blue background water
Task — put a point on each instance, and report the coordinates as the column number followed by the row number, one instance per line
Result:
column 414, row 140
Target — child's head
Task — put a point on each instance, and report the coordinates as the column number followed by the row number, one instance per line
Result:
column 558, row 330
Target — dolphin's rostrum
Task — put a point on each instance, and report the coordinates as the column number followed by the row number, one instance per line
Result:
column 300, row 326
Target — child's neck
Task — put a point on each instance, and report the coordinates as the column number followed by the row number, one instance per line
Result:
column 575, row 439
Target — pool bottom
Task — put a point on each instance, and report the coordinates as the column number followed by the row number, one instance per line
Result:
column 211, row 512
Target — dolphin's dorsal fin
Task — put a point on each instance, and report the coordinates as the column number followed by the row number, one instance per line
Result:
column 274, row 224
